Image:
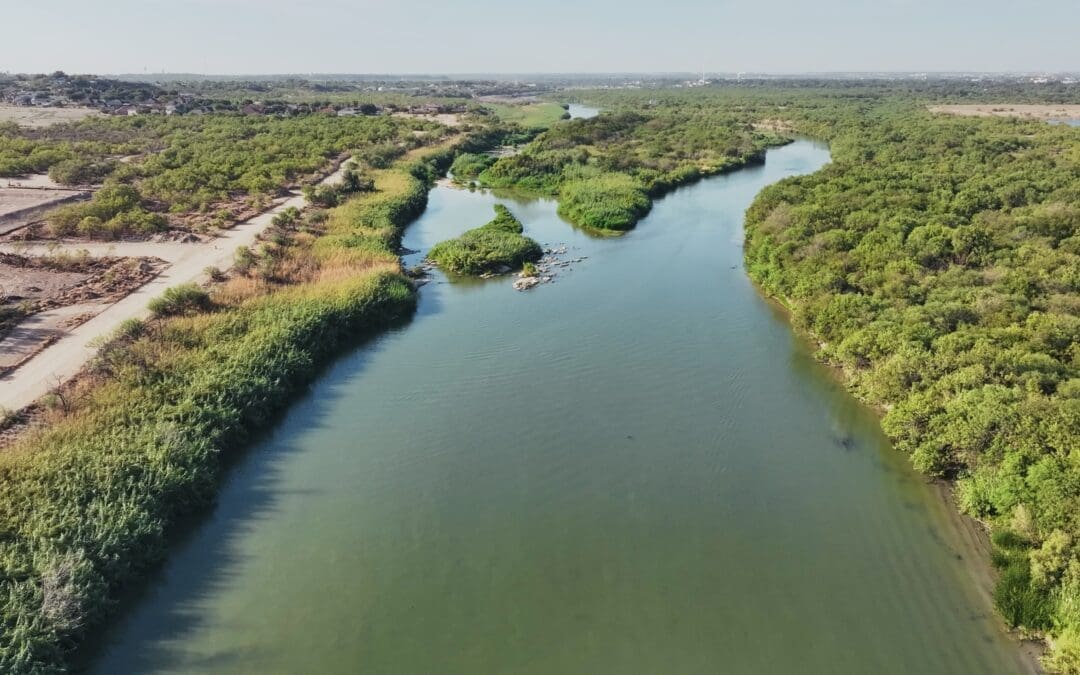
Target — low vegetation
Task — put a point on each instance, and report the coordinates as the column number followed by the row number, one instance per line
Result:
column 497, row 245
column 607, row 169
column 196, row 169
column 468, row 166
column 89, row 498
column 611, row 201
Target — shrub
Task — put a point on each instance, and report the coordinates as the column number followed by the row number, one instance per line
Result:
column 183, row 299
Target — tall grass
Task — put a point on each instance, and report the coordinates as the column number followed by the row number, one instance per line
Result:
column 611, row 201
column 88, row 501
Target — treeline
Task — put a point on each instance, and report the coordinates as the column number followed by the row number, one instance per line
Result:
column 937, row 261
column 607, row 169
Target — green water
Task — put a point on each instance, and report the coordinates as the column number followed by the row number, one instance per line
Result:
column 637, row 469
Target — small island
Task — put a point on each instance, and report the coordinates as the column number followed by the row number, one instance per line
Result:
column 497, row 247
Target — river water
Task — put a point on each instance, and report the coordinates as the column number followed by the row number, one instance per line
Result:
column 636, row 469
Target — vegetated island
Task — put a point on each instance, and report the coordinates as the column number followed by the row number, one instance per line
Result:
column 606, row 170
column 496, row 247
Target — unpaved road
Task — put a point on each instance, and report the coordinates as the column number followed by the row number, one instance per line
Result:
column 64, row 358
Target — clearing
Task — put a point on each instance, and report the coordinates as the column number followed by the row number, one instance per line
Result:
column 24, row 200
column 29, row 116
column 1030, row 110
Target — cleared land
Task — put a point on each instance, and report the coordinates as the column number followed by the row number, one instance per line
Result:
column 71, row 349
column 27, row 116
column 23, row 200
column 41, row 296
column 1057, row 111
column 527, row 114
column 446, row 119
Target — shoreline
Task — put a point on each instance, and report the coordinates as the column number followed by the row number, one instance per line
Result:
column 974, row 532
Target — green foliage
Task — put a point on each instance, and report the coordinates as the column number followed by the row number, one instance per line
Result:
column 606, row 169
column 611, row 201
column 189, row 164
column 89, row 502
column 352, row 181
column 468, row 166
column 933, row 260
column 183, row 299
column 488, row 248
column 78, row 171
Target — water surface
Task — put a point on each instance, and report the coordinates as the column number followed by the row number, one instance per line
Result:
column 636, row 469
column 578, row 111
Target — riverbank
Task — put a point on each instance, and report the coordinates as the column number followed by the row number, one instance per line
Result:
column 89, row 499
column 624, row 479
column 878, row 303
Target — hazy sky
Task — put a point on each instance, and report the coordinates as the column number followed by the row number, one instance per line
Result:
column 469, row 36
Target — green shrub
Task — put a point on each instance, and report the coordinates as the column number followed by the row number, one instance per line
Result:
column 182, row 299
column 468, row 166
column 605, row 202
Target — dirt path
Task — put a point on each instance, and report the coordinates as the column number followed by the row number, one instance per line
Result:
column 65, row 357
column 170, row 251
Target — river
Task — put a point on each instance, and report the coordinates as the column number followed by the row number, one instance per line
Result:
column 636, row 469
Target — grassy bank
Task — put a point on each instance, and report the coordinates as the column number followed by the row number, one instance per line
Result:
column 88, row 500
column 530, row 115
column 488, row 248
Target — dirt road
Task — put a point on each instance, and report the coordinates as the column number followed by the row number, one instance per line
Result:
column 188, row 262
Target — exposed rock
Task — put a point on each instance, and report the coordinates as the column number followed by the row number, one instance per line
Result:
column 525, row 283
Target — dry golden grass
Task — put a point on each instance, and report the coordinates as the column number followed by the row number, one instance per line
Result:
column 239, row 289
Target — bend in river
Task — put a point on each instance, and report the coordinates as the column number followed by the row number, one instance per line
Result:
column 635, row 469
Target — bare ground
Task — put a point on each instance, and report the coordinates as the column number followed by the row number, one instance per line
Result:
column 186, row 262
column 29, row 116
column 1028, row 110
column 41, row 296
column 446, row 119
column 21, row 206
